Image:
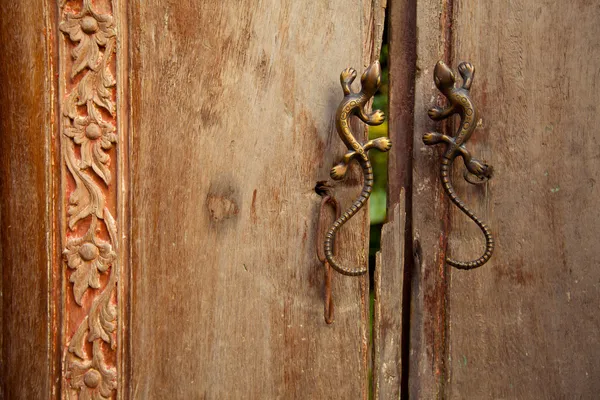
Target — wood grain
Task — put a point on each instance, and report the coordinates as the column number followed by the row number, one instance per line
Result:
column 26, row 118
column 387, row 329
column 394, row 267
column 232, row 126
column 428, row 290
column 526, row 325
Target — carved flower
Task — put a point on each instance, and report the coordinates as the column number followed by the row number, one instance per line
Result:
column 94, row 136
column 88, row 256
column 94, row 379
column 91, row 30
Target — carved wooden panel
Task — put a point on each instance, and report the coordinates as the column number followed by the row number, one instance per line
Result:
column 91, row 164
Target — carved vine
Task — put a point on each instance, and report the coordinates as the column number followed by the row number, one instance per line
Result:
column 89, row 118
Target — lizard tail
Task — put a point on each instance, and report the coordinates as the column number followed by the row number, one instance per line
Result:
column 357, row 205
column 489, row 240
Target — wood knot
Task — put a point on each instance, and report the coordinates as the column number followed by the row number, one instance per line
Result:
column 221, row 207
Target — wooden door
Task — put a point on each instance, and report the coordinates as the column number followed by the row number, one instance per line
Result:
column 523, row 326
column 158, row 212
column 159, row 161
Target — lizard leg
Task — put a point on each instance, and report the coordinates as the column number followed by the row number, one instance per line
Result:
column 467, row 71
column 375, row 118
column 381, row 144
column 346, row 78
column 438, row 113
column 435, row 138
column 339, row 171
column 475, row 167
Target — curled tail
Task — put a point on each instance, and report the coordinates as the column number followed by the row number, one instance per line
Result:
column 489, row 240
column 357, row 205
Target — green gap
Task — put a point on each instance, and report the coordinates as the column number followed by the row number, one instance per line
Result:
column 378, row 199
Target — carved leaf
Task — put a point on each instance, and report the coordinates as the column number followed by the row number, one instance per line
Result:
column 103, row 317
column 87, row 198
column 109, row 375
column 100, row 159
column 92, row 88
column 86, row 54
column 77, row 345
column 85, row 276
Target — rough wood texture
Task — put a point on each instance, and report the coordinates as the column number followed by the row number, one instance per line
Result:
column 387, row 329
column 395, row 265
column 526, row 325
column 232, row 119
column 26, row 117
column 427, row 346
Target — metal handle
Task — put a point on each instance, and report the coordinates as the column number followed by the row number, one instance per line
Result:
column 477, row 172
column 354, row 103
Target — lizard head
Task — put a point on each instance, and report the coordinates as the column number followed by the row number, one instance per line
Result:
column 371, row 79
column 443, row 76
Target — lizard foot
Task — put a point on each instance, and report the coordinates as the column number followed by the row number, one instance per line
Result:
column 466, row 69
column 381, row 144
column 339, row 171
column 435, row 113
column 376, row 118
column 348, row 75
column 432, row 138
column 478, row 172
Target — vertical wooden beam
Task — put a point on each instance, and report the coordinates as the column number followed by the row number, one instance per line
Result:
column 430, row 220
column 525, row 325
column 92, row 196
column 27, row 121
column 395, row 258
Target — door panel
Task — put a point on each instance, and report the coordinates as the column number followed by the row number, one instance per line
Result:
column 232, row 117
column 524, row 325
column 202, row 206
column 26, row 225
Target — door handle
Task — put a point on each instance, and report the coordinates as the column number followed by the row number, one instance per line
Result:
column 477, row 172
column 354, row 103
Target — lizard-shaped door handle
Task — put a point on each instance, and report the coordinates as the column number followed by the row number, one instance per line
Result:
column 460, row 103
column 353, row 104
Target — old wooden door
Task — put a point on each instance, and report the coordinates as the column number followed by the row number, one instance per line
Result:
column 525, row 325
column 158, row 213
column 159, row 161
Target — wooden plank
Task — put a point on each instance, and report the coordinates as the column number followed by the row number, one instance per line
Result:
column 93, row 143
column 389, row 282
column 387, row 329
column 526, row 325
column 232, row 126
column 26, row 209
column 428, row 289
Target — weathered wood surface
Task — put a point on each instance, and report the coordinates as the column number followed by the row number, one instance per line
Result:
column 387, row 319
column 232, row 126
column 26, row 206
column 391, row 269
column 525, row 325
column 427, row 341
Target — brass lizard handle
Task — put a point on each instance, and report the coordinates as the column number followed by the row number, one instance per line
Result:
column 354, row 103
column 477, row 172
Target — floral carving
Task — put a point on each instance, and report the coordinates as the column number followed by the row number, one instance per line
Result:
column 94, row 379
column 89, row 133
column 94, row 136
column 88, row 256
column 90, row 30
